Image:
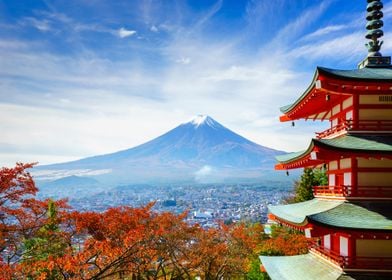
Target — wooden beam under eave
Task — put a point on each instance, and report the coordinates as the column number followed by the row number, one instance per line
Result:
column 280, row 166
column 285, row 118
column 325, row 115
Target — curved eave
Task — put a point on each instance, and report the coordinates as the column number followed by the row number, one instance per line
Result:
column 345, row 82
column 334, row 213
column 355, row 216
column 320, row 150
column 296, row 214
column 286, row 109
column 358, row 144
column 301, row 267
column 382, row 74
column 295, row 160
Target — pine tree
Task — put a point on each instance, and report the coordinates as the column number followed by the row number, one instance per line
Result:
column 48, row 242
column 309, row 179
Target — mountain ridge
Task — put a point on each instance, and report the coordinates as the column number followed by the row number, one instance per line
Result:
column 186, row 148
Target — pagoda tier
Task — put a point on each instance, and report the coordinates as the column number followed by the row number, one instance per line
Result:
column 351, row 236
column 349, row 220
column 357, row 100
column 358, row 166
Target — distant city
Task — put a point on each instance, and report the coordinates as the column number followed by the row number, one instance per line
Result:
column 207, row 205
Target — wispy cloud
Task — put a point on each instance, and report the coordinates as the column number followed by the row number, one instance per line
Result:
column 297, row 27
column 153, row 28
column 349, row 46
column 43, row 25
column 325, row 30
column 209, row 14
column 184, row 60
column 123, row 32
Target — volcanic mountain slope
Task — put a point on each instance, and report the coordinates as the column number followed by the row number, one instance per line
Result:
column 200, row 150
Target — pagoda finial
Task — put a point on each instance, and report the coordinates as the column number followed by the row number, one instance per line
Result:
column 374, row 25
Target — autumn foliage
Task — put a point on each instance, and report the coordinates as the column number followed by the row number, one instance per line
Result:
column 49, row 240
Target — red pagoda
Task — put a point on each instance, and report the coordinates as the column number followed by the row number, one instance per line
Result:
column 349, row 221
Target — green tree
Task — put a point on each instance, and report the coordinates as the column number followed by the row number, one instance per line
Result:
column 310, row 178
column 255, row 272
column 48, row 242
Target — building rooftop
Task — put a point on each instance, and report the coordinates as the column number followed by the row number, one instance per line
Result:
column 366, row 74
column 375, row 74
column 301, row 267
column 350, row 143
column 297, row 213
column 369, row 215
column 310, row 267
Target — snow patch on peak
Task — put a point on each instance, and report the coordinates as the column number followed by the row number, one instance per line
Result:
column 199, row 120
column 202, row 120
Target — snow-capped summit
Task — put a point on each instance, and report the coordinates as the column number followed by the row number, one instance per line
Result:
column 203, row 120
column 199, row 146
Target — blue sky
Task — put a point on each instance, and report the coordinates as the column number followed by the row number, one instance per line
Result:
column 87, row 77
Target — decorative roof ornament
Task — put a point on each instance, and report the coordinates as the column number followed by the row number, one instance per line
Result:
column 374, row 25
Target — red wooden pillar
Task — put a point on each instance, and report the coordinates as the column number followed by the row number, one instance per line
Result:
column 355, row 111
column 354, row 176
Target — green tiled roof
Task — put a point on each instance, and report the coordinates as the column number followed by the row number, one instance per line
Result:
column 290, row 156
column 311, row 267
column 349, row 215
column 301, row 267
column 362, row 74
column 375, row 216
column 360, row 142
column 369, row 74
column 287, row 108
column 368, row 143
column 298, row 212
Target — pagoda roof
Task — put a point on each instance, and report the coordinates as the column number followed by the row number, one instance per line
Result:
column 297, row 213
column 311, row 266
column 365, row 145
column 374, row 216
column 366, row 73
column 349, row 215
column 301, row 267
column 319, row 88
column 379, row 143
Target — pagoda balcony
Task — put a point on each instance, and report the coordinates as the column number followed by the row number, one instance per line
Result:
column 327, row 254
column 356, row 126
column 381, row 192
column 352, row 262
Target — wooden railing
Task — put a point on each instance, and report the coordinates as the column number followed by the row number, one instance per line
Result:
column 361, row 125
column 328, row 254
column 353, row 262
column 332, row 190
column 343, row 126
column 350, row 191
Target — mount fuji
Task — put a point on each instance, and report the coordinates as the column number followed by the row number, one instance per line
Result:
column 201, row 150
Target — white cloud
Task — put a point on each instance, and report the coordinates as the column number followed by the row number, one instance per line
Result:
column 154, row 28
column 348, row 46
column 184, row 60
column 57, row 174
column 43, row 25
column 325, row 30
column 123, row 33
column 203, row 174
